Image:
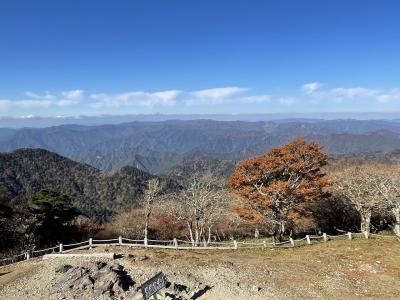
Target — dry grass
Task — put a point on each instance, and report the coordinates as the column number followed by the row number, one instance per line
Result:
column 337, row 269
column 340, row 269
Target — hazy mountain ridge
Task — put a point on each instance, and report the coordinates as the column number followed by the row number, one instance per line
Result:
column 157, row 146
column 6, row 133
column 42, row 122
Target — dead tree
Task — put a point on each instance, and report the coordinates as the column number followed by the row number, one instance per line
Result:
column 360, row 185
column 389, row 188
column 153, row 191
column 199, row 205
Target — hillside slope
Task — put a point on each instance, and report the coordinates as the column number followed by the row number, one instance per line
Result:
column 26, row 171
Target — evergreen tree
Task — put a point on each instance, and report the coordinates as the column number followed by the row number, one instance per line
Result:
column 54, row 212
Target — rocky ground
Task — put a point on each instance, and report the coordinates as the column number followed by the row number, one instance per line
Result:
column 367, row 269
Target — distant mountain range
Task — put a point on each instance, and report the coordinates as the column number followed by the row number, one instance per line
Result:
column 155, row 147
column 41, row 122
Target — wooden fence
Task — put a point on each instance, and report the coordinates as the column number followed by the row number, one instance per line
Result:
column 177, row 244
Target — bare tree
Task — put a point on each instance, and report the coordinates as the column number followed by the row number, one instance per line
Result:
column 128, row 223
column 389, row 188
column 153, row 191
column 198, row 205
column 360, row 185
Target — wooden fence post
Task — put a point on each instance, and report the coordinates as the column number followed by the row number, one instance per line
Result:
column 349, row 234
column 291, row 242
column 61, row 248
column 120, row 240
column 308, row 239
column 146, row 242
column 366, row 234
column 176, row 243
column 90, row 243
column 28, row 255
column 325, row 237
column 235, row 245
column 264, row 244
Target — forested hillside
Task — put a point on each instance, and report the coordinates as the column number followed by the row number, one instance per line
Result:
column 157, row 146
column 27, row 171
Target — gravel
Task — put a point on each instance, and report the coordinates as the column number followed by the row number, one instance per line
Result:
column 341, row 270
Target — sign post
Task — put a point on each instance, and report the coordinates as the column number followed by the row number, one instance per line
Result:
column 152, row 286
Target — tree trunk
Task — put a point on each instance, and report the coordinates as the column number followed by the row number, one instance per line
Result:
column 209, row 235
column 196, row 234
column 365, row 220
column 279, row 230
column 196, row 237
column 189, row 224
column 201, row 232
column 279, row 225
column 396, row 212
column 256, row 233
column 146, row 226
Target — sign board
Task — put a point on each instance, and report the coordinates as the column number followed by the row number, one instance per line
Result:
column 153, row 285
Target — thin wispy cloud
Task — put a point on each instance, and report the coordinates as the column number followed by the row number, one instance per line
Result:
column 224, row 99
column 6, row 104
column 45, row 96
column 340, row 94
column 287, row 101
column 392, row 95
column 217, row 95
column 135, row 98
column 311, row 87
column 172, row 97
column 224, row 95
column 354, row 92
column 43, row 101
column 256, row 99
column 70, row 98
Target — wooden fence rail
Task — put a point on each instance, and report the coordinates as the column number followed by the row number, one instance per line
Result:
column 188, row 245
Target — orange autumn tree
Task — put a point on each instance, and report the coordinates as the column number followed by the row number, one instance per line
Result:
column 281, row 180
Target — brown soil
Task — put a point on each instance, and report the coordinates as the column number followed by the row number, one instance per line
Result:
column 342, row 269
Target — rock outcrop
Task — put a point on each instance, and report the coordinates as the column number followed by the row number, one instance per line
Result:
column 98, row 278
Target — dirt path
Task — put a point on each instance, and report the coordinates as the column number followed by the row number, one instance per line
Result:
column 18, row 271
column 366, row 269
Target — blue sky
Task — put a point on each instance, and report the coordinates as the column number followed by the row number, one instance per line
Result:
column 117, row 57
